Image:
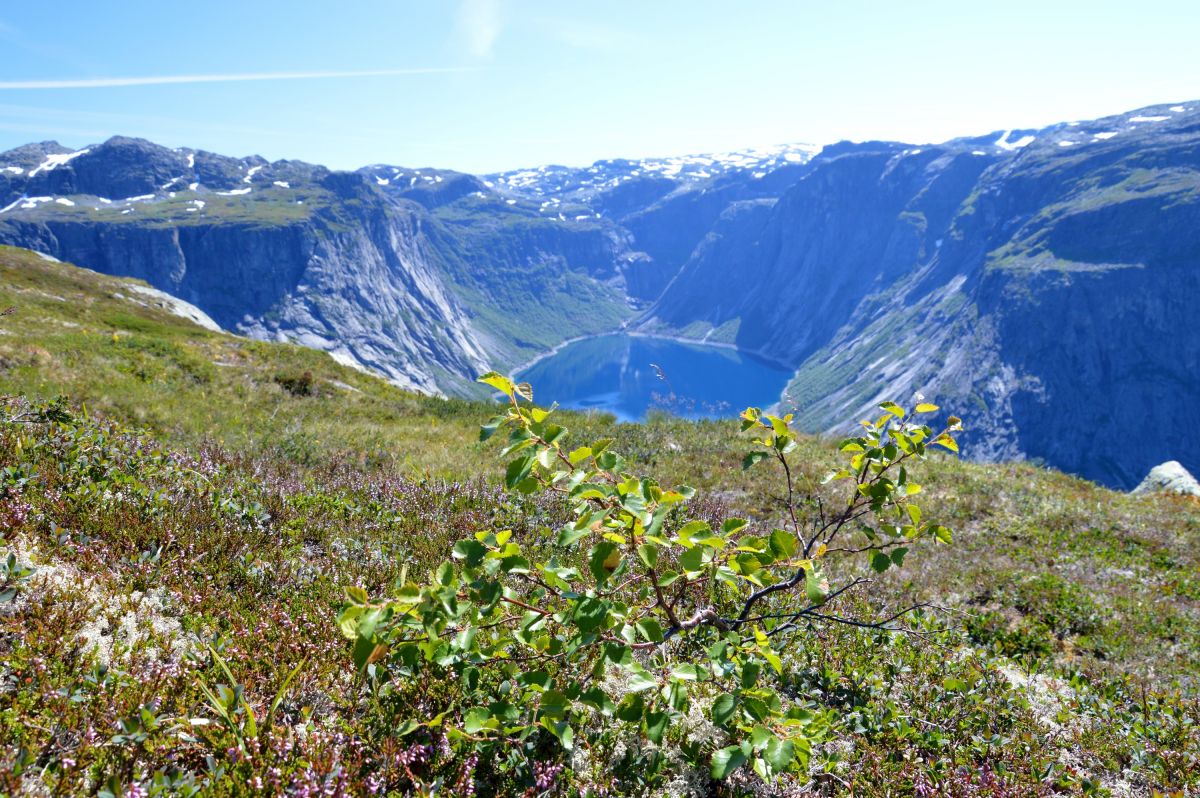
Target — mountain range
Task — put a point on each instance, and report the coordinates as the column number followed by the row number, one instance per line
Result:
column 1040, row 283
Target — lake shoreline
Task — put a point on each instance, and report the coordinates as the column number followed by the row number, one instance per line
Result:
column 678, row 339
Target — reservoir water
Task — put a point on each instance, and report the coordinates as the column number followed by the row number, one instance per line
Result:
column 629, row 375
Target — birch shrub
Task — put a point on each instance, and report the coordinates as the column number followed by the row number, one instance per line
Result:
column 636, row 617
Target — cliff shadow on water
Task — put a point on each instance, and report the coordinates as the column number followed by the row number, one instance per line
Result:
column 630, row 375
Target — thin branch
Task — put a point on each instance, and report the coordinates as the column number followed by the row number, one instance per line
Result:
column 791, row 500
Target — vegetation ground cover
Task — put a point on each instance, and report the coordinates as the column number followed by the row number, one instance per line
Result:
column 180, row 532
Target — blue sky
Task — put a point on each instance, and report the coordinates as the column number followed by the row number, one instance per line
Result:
column 482, row 85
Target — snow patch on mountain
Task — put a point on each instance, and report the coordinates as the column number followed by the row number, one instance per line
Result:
column 55, row 161
column 1004, row 144
column 604, row 175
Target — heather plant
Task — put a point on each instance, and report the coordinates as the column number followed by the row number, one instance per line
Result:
column 638, row 618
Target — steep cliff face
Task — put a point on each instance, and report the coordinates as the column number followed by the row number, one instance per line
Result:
column 861, row 218
column 368, row 294
column 1056, row 314
column 231, row 270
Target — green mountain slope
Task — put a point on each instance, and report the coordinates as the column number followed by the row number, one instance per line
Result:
column 1060, row 656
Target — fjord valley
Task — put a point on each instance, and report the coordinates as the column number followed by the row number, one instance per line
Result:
column 1042, row 278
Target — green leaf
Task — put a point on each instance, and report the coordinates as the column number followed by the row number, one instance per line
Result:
column 609, row 461
column 472, row 551
column 753, row 458
column 691, row 529
column 780, row 754
column 816, row 585
column 750, row 671
column 540, row 679
column 893, row 408
column 364, row 646
column 641, row 679
column 689, row 672
column 726, row 761
column 648, row 553
column 772, row 658
column 732, row 526
column 599, row 699
column 925, row 407
column 560, row 729
column 514, row 565
column 517, row 470
column 591, row 614
column 723, row 709
column 347, row 621
column 692, row 559
column 880, row 562
column 667, row 578
column 476, row 720
column 554, row 704
column 406, row 728
column 650, row 629
column 499, row 382
column 569, row 534
column 656, row 726
column 603, row 560
column 783, row 544
column 631, row 708
column 489, row 429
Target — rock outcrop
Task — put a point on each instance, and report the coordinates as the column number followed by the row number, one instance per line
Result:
column 1170, row 477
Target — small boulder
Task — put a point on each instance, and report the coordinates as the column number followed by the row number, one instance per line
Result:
column 1170, row 477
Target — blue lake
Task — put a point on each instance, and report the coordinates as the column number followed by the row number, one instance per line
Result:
column 629, row 375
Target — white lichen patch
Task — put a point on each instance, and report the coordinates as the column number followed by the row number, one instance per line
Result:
column 114, row 624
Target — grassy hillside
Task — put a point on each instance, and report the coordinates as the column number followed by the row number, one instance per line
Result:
column 201, row 492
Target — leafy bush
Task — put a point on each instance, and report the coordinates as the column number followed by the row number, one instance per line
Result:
column 297, row 384
column 637, row 619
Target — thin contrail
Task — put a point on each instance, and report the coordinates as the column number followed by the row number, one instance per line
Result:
column 157, row 80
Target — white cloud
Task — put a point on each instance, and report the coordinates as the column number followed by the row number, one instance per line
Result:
column 479, row 24
column 158, row 80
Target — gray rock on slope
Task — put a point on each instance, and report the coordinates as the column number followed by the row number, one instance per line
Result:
column 1170, row 477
